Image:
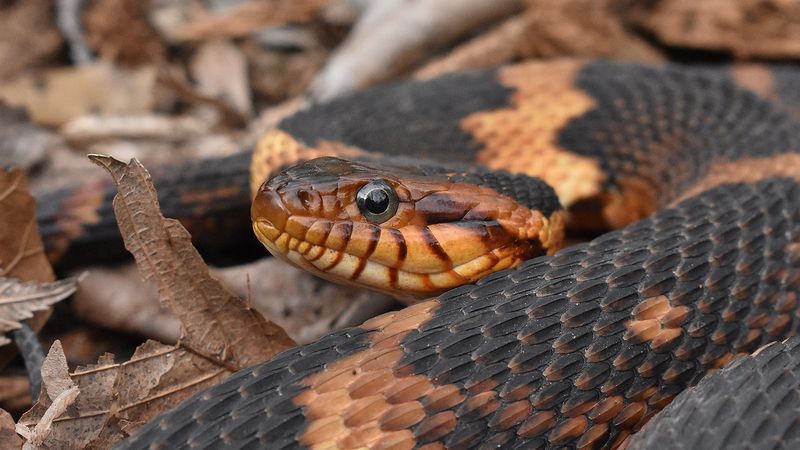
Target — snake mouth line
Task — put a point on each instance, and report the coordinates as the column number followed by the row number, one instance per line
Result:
column 343, row 267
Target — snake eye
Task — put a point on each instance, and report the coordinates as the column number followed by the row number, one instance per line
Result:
column 377, row 201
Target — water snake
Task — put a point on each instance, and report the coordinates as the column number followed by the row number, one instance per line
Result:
column 701, row 179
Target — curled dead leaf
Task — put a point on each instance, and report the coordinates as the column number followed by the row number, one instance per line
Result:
column 18, row 300
column 215, row 323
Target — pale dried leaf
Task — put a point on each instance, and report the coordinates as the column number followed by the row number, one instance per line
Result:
column 220, row 70
column 44, row 427
column 8, row 437
column 18, row 300
column 215, row 322
column 55, row 373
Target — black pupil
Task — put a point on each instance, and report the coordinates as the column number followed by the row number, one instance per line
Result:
column 377, row 201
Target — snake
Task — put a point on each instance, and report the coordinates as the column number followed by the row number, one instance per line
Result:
column 751, row 403
column 690, row 182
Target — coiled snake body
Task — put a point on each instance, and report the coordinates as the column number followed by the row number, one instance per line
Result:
column 577, row 349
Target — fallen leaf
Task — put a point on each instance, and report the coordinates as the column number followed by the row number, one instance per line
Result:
column 19, row 300
column 214, row 321
column 8, row 437
column 56, row 96
column 21, row 250
column 219, row 334
column 220, row 71
column 117, row 398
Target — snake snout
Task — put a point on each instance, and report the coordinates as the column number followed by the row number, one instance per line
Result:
column 268, row 214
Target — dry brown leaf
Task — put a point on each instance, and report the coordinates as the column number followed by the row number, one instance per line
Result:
column 18, row 300
column 220, row 334
column 21, row 250
column 215, row 322
column 8, row 437
column 54, row 97
column 115, row 399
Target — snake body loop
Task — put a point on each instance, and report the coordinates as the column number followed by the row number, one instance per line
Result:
column 578, row 349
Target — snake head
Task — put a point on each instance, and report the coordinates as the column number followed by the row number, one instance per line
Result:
column 402, row 228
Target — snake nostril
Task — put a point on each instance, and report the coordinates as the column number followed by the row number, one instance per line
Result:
column 305, row 198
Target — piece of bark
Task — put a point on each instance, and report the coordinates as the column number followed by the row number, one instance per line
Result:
column 93, row 128
column 393, row 35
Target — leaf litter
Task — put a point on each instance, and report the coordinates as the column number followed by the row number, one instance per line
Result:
column 219, row 335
